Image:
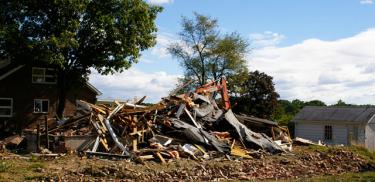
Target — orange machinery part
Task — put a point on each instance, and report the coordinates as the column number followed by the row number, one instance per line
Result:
column 213, row 86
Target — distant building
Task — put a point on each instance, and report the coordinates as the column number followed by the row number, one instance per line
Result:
column 337, row 125
column 29, row 93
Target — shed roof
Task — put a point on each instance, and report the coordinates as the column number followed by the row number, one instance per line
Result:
column 335, row 114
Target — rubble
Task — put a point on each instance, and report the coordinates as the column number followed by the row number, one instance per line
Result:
column 194, row 125
column 305, row 163
column 178, row 128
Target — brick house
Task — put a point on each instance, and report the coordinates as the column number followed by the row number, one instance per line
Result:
column 29, row 93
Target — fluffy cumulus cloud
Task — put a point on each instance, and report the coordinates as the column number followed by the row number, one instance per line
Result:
column 163, row 40
column 366, row 1
column 134, row 83
column 158, row 2
column 326, row 70
column 266, row 39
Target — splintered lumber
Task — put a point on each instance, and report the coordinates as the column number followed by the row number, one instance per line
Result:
column 160, row 157
column 236, row 151
column 101, row 121
column 140, row 132
column 192, row 119
column 112, row 133
column 158, row 106
column 146, row 157
column 140, row 101
column 190, row 123
column 135, row 140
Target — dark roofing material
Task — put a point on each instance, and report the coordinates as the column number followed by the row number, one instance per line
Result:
column 346, row 114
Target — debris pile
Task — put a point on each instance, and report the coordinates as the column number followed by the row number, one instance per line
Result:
column 194, row 125
column 305, row 163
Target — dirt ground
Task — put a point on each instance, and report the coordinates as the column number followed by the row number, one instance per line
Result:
column 304, row 162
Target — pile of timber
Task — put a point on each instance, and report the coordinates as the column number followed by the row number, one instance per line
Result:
column 188, row 125
column 192, row 125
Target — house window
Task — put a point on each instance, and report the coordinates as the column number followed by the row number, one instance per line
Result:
column 43, row 75
column 6, row 107
column 41, row 105
column 327, row 132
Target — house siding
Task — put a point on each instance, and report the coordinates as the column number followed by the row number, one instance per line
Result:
column 370, row 136
column 315, row 131
column 19, row 86
column 308, row 131
column 340, row 134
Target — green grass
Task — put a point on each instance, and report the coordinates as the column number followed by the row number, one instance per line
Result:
column 318, row 148
column 4, row 167
column 36, row 165
column 366, row 176
column 363, row 152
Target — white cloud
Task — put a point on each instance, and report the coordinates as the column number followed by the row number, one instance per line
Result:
column 134, row 83
column 266, row 39
column 366, row 1
column 325, row 70
column 163, row 40
column 160, row 1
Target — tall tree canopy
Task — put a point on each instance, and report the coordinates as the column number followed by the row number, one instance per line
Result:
column 259, row 97
column 205, row 54
column 76, row 35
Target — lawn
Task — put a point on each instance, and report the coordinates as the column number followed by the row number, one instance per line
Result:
column 349, row 177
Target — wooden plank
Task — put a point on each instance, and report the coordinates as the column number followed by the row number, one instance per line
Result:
column 104, row 143
column 160, row 157
column 135, row 140
column 140, row 132
column 145, row 157
column 101, row 121
column 234, row 141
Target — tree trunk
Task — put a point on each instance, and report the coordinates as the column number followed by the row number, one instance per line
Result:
column 61, row 90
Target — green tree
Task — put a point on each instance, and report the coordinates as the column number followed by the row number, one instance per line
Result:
column 341, row 103
column 315, row 103
column 74, row 36
column 260, row 98
column 286, row 110
column 205, row 54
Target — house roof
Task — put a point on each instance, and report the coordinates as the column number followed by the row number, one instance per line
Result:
column 336, row 114
column 93, row 88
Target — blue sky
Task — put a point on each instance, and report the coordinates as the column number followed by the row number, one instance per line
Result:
column 332, row 42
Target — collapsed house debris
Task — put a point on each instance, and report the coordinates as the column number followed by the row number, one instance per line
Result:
column 188, row 125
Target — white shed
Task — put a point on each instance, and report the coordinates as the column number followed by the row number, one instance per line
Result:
column 337, row 125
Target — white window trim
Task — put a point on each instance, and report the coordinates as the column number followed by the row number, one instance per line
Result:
column 8, row 107
column 44, row 75
column 42, row 106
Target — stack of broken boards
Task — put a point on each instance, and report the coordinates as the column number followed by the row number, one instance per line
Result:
column 191, row 126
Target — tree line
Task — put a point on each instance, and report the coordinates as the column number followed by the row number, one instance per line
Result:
column 206, row 54
column 75, row 37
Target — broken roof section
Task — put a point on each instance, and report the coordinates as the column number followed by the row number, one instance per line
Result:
column 336, row 114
